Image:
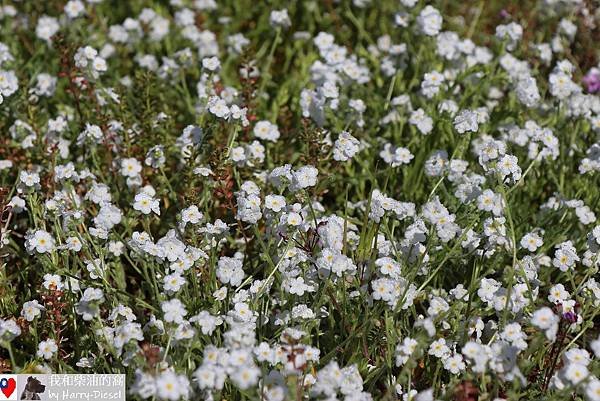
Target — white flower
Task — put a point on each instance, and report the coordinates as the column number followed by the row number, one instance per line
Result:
column 577, row 355
column 174, row 311
column 527, row 91
column 294, row 219
column 191, row 215
column 220, row 294
column 207, row 322
column 229, row 270
column 439, row 349
column 531, row 242
column 245, row 376
column 280, row 18
column 29, row 179
column 454, row 364
column 592, row 390
column 74, row 8
column 565, row 256
column 211, row 63
column 218, row 107
column 304, row 177
column 395, row 156
column 545, row 319
column 146, row 204
column 432, row 81
column 130, row 167
column 404, row 350
column 561, row 85
column 47, row 349
column 31, row 310
column 430, row 21
column 170, row 386
column 558, row 294
column 52, row 281
column 345, row 147
column 575, row 373
column 8, row 83
column 490, row 202
column 511, row 32
column 274, row 203
column 46, row 28
column 9, row 330
column 99, row 64
column 95, row 268
column 422, row 121
column 41, row 241
column 116, row 248
column 595, row 346
column 173, row 282
column 508, row 165
column 266, row 130
column 466, row 121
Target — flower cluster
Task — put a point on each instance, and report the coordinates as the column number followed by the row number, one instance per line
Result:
column 351, row 200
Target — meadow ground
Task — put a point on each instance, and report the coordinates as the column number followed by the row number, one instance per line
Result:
column 290, row 200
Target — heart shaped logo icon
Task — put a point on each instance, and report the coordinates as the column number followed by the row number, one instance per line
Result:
column 8, row 386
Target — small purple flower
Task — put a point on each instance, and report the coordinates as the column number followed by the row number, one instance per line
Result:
column 592, row 80
column 570, row 317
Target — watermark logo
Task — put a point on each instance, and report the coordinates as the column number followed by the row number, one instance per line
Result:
column 8, row 387
column 33, row 390
column 62, row 387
